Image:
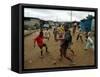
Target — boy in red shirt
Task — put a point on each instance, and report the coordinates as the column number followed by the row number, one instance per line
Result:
column 39, row 39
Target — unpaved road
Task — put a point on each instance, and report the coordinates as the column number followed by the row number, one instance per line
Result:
column 32, row 58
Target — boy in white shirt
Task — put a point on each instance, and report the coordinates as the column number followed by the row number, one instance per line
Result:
column 89, row 42
column 47, row 34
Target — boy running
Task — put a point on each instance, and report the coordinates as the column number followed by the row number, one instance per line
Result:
column 66, row 43
column 39, row 39
column 79, row 34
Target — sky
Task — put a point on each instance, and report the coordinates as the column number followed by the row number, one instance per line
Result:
column 56, row 15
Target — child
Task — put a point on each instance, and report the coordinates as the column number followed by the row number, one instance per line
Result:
column 55, row 33
column 66, row 43
column 39, row 39
column 74, row 28
column 79, row 34
column 47, row 34
column 89, row 42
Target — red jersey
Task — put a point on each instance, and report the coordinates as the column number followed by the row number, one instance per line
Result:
column 39, row 40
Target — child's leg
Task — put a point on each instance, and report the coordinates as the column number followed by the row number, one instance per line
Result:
column 61, row 54
column 72, row 51
column 86, row 37
column 74, row 32
column 41, row 51
column 81, row 38
column 69, row 47
column 77, row 37
column 64, row 54
column 67, row 57
column 45, row 47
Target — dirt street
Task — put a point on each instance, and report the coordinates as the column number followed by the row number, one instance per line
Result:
column 33, row 60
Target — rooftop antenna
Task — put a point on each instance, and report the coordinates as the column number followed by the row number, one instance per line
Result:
column 71, row 18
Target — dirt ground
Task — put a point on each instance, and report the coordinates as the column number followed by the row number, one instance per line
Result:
column 32, row 59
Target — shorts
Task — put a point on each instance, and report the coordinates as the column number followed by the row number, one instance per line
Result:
column 42, row 46
column 66, row 46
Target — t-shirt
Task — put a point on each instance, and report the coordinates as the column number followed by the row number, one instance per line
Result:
column 46, row 33
column 68, row 37
column 39, row 40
